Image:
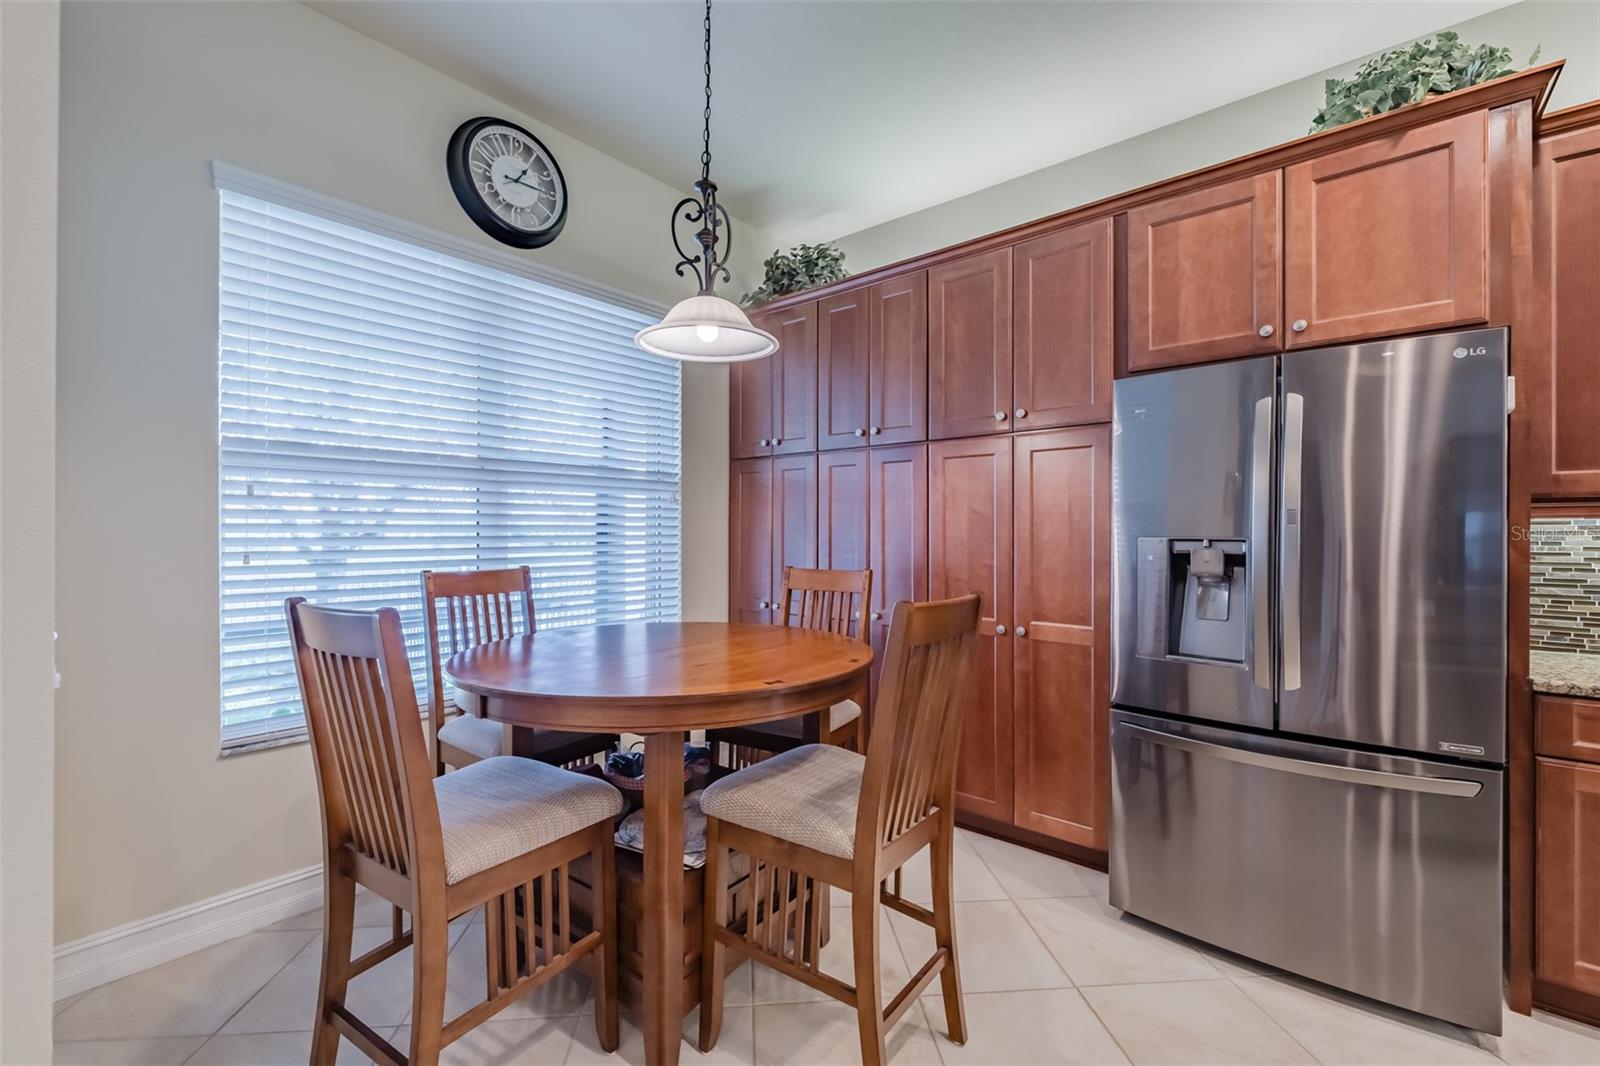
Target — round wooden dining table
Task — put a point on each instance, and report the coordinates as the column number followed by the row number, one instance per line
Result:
column 660, row 680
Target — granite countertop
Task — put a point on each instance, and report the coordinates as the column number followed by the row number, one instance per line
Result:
column 1565, row 673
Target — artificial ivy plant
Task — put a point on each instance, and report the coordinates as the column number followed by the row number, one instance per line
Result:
column 805, row 266
column 1401, row 76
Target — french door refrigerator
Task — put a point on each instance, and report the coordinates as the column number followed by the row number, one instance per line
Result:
column 1308, row 663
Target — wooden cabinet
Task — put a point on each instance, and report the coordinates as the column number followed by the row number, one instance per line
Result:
column 750, row 587
column 1390, row 236
column 773, row 401
column 1558, row 363
column 844, row 330
column 1061, row 693
column 842, row 509
column 772, row 523
column 969, row 346
column 897, row 378
column 1567, row 880
column 1065, row 329
column 969, row 550
column 897, row 535
column 1205, row 274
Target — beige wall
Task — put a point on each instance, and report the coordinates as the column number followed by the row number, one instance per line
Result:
column 29, row 85
column 1569, row 30
column 150, row 818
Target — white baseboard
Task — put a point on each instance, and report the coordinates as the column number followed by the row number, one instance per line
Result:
column 93, row 960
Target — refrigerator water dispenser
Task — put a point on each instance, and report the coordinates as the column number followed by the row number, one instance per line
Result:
column 1191, row 599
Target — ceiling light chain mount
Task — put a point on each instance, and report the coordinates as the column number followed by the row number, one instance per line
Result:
column 705, row 327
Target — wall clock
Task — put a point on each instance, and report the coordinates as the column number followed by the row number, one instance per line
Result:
column 507, row 182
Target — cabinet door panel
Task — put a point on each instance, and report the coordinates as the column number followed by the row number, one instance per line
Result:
column 750, row 411
column 843, row 340
column 1061, row 701
column 1560, row 378
column 794, row 517
column 1205, row 274
column 1064, row 327
column 842, row 508
column 897, row 534
column 750, row 589
column 1389, row 236
column 898, row 382
column 969, row 346
column 969, row 550
column 1567, row 918
column 794, row 379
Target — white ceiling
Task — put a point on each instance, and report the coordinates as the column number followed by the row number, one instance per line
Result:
column 832, row 117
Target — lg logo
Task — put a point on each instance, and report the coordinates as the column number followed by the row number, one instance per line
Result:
column 1462, row 353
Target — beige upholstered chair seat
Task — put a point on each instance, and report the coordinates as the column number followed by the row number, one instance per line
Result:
column 840, row 715
column 495, row 810
column 807, row 795
column 482, row 737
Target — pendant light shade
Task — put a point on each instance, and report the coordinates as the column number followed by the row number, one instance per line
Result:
column 707, row 329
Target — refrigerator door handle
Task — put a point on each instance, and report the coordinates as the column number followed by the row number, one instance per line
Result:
column 1291, row 519
column 1260, row 543
column 1436, row 786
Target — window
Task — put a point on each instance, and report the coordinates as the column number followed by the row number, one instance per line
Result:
column 388, row 407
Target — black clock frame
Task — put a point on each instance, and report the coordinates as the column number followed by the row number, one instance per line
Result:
column 457, row 159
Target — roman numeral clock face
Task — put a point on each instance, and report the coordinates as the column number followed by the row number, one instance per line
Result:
column 507, row 182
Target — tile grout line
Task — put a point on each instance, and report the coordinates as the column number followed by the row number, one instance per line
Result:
column 246, row 1002
column 1233, row 980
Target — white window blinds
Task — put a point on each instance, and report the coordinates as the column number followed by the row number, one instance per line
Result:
column 387, row 408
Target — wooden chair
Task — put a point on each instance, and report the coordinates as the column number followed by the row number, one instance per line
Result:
column 834, row 601
column 479, row 606
column 820, row 815
column 502, row 832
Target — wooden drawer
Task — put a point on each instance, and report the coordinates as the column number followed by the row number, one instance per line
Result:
column 1567, row 728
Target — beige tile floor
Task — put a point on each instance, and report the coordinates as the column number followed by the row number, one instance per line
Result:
column 1052, row 975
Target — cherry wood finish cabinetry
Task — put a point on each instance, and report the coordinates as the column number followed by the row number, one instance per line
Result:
column 969, row 550
column 773, row 401
column 1065, row 328
column 1390, row 236
column 842, row 510
column 1559, row 372
column 969, row 346
column 1567, row 943
column 772, row 523
column 1061, row 693
column 1205, row 274
column 897, row 534
column 844, row 330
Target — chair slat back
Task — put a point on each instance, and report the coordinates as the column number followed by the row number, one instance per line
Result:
column 922, row 695
column 374, row 774
column 830, row 600
column 465, row 608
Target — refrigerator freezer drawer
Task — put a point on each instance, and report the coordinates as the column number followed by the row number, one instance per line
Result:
column 1376, row 874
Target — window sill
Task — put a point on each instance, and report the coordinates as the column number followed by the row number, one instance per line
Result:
column 246, row 745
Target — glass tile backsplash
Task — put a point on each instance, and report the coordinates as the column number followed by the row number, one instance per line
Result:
column 1565, row 592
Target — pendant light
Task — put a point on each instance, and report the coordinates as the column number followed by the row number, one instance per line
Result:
column 705, row 328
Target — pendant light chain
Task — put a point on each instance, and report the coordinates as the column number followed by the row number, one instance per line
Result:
column 705, row 154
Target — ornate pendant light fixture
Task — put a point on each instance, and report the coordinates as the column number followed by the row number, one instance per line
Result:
column 705, row 328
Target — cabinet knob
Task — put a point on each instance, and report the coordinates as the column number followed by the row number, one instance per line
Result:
column 861, row 433
column 876, row 430
column 999, row 416
column 1022, row 631
column 1022, row 412
column 999, row 631
column 877, row 616
column 1298, row 325
column 1265, row 331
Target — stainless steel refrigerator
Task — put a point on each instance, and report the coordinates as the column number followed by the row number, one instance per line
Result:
column 1308, row 663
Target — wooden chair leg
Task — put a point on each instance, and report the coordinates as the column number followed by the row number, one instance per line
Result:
column 942, row 861
column 714, row 916
column 869, row 992
column 338, row 926
column 430, row 947
column 606, row 1024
